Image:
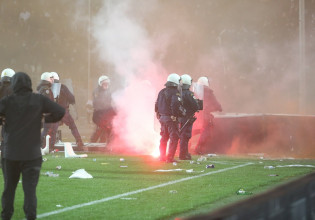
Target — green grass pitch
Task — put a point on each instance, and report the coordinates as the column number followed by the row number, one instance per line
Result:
column 136, row 189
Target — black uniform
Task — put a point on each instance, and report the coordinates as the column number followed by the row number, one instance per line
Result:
column 168, row 108
column 64, row 99
column 186, row 123
column 23, row 112
column 210, row 104
column 44, row 88
column 103, row 115
column 5, row 90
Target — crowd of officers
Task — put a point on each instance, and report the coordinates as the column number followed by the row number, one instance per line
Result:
column 22, row 112
column 175, row 108
column 50, row 87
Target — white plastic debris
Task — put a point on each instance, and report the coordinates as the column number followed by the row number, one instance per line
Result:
column 69, row 151
column 51, row 174
column 81, row 174
column 202, row 158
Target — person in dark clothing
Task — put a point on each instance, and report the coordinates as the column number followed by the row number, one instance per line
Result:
column 210, row 104
column 103, row 112
column 5, row 83
column 5, row 87
column 186, row 123
column 44, row 88
column 64, row 98
column 22, row 113
column 168, row 109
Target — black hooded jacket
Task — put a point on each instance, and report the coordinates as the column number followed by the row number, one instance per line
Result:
column 23, row 112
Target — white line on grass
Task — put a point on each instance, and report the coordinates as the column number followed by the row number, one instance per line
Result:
column 137, row 191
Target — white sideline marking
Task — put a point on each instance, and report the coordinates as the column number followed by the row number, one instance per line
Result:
column 137, row 191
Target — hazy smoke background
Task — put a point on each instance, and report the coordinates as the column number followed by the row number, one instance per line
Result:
column 250, row 49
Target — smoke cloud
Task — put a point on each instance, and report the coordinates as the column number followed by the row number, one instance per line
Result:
column 123, row 43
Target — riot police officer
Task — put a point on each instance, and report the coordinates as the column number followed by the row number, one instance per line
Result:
column 168, row 109
column 191, row 105
column 210, row 104
column 5, row 87
column 103, row 111
column 5, row 83
column 44, row 88
column 64, row 97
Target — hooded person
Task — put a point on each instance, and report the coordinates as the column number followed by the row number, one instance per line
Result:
column 21, row 154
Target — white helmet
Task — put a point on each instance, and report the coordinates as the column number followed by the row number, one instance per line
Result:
column 8, row 72
column 186, row 79
column 203, row 81
column 55, row 75
column 174, row 78
column 46, row 76
column 103, row 79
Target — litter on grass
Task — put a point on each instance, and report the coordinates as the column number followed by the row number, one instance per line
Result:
column 51, row 174
column 243, row 192
column 59, row 206
column 172, row 191
column 202, row 158
column 69, row 151
column 123, row 166
column 269, row 167
column 81, row 174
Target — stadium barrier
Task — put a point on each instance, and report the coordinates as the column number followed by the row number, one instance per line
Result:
column 291, row 201
column 274, row 135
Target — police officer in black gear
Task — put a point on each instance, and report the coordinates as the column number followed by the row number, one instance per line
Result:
column 186, row 123
column 168, row 109
column 64, row 98
column 5, row 83
column 5, row 86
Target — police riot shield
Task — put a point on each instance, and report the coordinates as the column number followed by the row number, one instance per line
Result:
column 198, row 90
column 55, row 88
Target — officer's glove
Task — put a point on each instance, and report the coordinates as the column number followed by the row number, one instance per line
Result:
column 173, row 118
